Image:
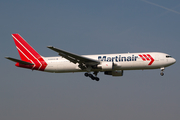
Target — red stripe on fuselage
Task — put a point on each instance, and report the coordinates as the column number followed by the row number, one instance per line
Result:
column 142, row 57
column 146, row 57
column 152, row 59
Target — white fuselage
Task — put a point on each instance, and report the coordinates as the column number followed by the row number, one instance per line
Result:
column 128, row 61
column 110, row 64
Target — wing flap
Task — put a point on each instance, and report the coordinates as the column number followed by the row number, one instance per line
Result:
column 74, row 58
column 19, row 61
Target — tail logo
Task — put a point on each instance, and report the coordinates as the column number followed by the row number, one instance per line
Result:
column 147, row 57
column 28, row 54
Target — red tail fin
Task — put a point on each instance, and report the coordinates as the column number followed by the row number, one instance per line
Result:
column 28, row 54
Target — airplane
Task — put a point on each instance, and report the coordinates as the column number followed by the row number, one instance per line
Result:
column 110, row 64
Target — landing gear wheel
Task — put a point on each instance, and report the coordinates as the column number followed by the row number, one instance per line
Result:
column 86, row 74
column 96, row 78
column 161, row 73
column 91, row 76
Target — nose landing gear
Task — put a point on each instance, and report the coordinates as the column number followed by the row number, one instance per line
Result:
column 162, row 71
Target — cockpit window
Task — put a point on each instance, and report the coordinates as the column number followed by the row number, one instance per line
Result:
column 168, row 56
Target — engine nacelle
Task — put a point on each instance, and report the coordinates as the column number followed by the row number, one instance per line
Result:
column 106, row 66
column 114, row 73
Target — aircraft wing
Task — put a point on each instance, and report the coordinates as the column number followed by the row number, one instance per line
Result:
column 75, row 58
column 19, row 61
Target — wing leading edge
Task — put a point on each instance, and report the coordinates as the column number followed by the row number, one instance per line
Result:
column 75, row 58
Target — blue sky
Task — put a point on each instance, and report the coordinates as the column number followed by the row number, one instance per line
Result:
column 90, row 27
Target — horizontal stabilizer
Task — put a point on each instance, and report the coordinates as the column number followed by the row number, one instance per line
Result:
column 19, row 61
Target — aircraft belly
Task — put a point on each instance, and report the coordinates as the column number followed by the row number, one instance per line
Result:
column 138, row 65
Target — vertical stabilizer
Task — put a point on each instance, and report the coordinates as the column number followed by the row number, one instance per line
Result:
column 28, row 53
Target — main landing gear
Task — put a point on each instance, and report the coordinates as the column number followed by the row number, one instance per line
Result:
column 162, row 71
column 91, row 76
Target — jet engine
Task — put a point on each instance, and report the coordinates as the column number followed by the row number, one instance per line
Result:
column 106, row 66
column 114, row 73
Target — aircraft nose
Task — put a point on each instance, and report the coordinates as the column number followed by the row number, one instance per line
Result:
column 174, row 60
